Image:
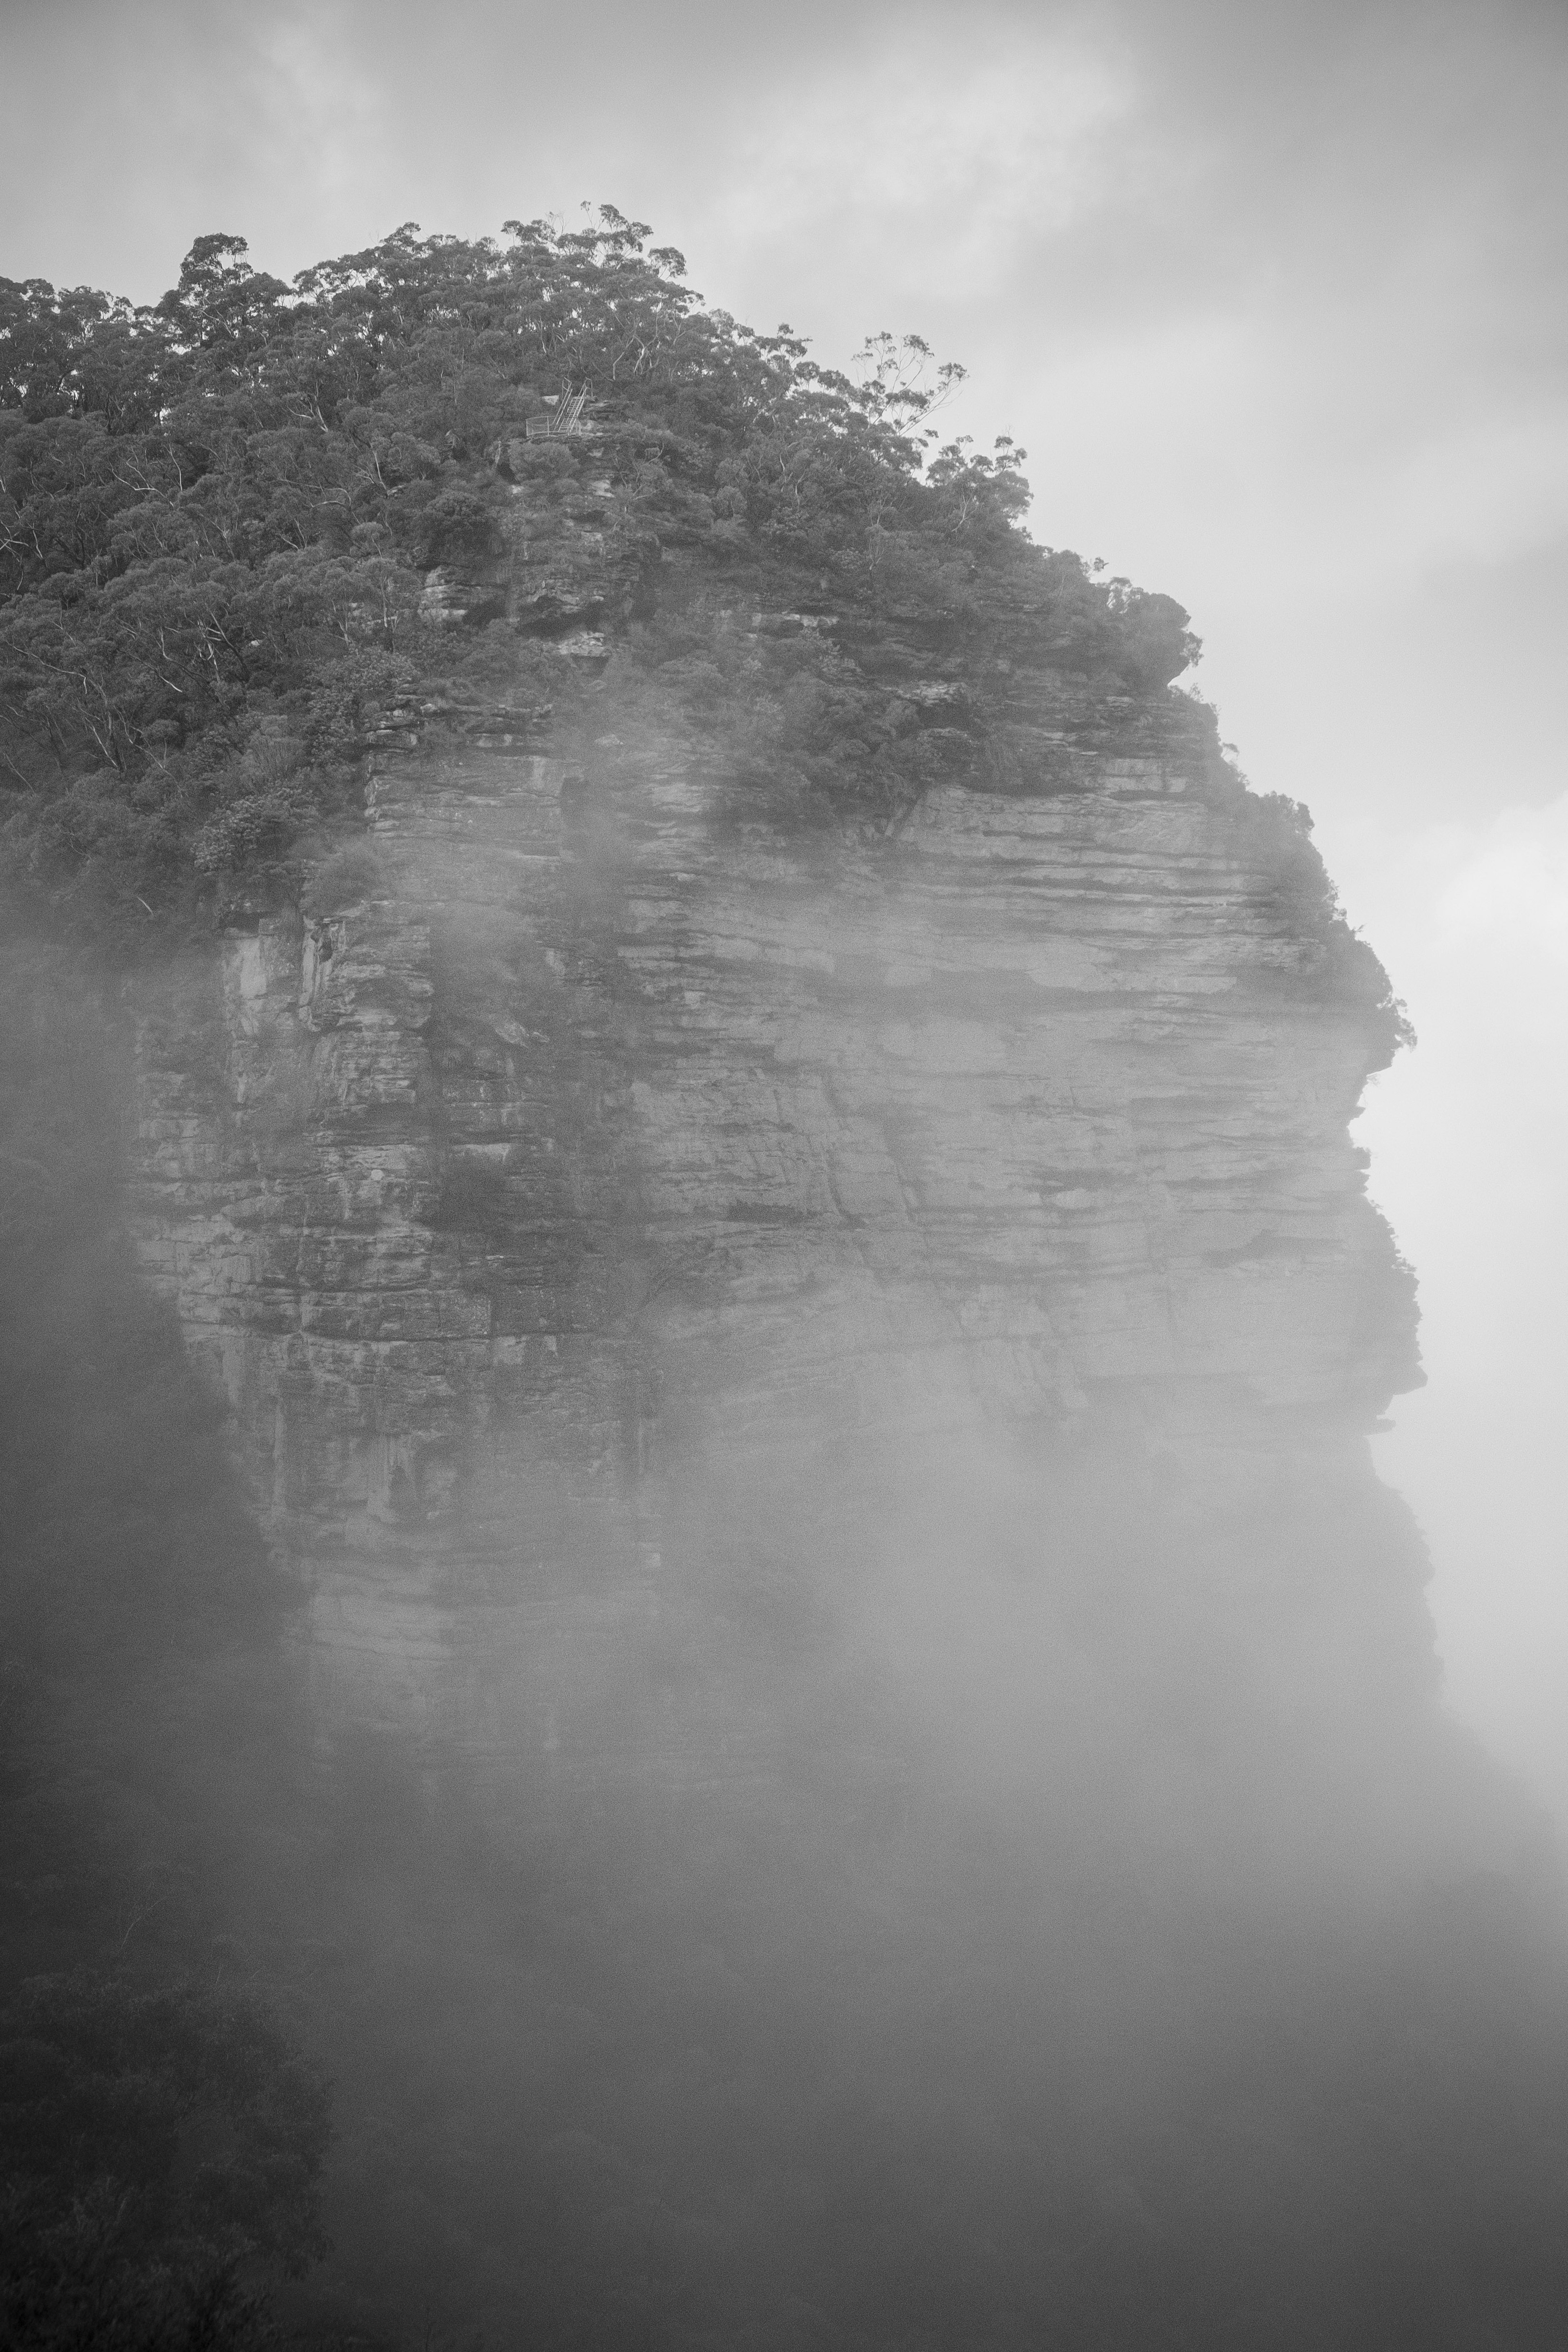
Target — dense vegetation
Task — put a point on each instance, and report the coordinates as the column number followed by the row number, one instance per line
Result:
column 219, row 519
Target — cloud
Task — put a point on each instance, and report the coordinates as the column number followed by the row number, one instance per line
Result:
column 320, row 96
column 1468, row 1140
column 942, row 161
column 1505, row 893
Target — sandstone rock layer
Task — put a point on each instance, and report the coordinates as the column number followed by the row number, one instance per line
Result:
column 603, row 1136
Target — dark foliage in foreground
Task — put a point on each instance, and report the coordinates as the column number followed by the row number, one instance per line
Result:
column 157, row 2146
column 220, row 517
column 161, row 2139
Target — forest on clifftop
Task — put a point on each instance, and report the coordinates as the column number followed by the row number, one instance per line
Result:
column 224, row 519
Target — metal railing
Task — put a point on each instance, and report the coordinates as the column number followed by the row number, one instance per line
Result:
column 566, row 417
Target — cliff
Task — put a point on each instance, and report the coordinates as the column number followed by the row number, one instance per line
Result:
column 592, row 1141
column 752, row 1126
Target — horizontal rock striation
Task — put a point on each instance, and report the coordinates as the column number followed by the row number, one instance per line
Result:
column 601, row 1140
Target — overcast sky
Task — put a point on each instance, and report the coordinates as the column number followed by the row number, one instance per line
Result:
column 1274, row 295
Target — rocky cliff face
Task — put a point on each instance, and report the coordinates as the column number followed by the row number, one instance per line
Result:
column 859, row 1768
column 596, row 1142
column 816, row 1376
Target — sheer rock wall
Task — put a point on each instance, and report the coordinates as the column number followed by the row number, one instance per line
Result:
column 614, row 1140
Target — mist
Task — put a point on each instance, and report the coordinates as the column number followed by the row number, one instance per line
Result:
column 871, row 1877
column 1273, row 300
column 732, row 1614
column 952, row 1893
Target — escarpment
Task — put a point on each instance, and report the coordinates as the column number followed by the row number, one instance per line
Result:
column 601, row 1169
column 743, row 1132
column 754, row 1127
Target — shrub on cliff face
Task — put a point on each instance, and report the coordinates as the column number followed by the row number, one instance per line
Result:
column 1150, row 640
column 217, row 518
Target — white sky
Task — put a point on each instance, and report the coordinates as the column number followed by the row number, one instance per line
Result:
column 1273, row 291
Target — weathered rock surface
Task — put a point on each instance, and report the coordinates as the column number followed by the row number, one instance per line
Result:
column 613, row 1140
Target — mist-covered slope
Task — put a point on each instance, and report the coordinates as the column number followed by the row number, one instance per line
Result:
column 751, row 1121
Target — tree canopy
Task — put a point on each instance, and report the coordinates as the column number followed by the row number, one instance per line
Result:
column 221, row 516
